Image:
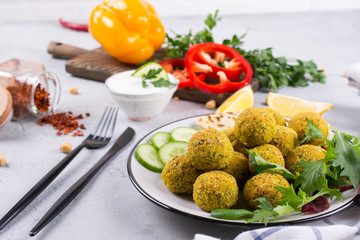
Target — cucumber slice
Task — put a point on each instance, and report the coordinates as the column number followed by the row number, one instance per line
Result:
column 182, row 133
column 147, row 156
column 159, row 139
column 172, row 149
column 144, row 69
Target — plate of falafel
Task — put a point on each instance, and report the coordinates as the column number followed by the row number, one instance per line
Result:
column 236, row 174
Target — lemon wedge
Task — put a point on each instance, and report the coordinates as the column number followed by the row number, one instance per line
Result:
column 290, row 106
column 239, row 101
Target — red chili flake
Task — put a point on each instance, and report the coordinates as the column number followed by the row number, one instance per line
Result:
column 41, row 99
column 87, row 114
column 64, row 122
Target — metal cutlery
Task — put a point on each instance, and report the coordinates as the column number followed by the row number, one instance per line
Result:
column 76, row 188
column 98, row 139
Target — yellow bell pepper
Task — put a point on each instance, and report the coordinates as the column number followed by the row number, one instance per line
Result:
column 129, row 30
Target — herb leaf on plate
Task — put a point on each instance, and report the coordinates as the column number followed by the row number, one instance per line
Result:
column 261, row 165
column 265, row 211
column 312, row 132
column 312, row 177
column 348, row 157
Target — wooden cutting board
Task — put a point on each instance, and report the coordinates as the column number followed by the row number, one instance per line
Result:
column 98, row 65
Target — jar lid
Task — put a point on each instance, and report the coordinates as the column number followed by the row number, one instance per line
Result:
column 5, row 107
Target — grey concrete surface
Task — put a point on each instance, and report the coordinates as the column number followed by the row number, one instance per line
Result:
column 110, row 207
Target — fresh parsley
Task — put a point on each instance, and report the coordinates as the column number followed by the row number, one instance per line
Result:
column 152, row 77
column 178, row 45
column 272, row 72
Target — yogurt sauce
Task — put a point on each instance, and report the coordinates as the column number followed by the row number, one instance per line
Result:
column 124, row 83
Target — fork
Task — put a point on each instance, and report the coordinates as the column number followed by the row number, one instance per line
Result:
column 97, row 139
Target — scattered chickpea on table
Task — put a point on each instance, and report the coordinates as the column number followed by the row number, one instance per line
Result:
column 74, row 90
column 65, row 147
column 2, row 160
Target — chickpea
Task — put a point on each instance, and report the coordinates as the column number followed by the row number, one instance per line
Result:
column 2, row 160
column 74, row 90
column 65, row 147
column 211, row 104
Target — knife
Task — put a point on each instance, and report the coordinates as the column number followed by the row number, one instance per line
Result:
column 76, row 188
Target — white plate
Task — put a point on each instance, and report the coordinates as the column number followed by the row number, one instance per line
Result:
column 150, row 185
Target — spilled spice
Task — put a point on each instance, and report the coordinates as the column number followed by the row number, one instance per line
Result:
column 64, row 123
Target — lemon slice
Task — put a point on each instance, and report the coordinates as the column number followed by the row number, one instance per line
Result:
column 290, row 106
column 239, row 101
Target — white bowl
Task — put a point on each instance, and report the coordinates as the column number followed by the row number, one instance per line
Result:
column 136, row 102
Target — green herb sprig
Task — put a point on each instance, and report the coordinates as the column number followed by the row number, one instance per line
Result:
column 272, row 72
column 152, row 74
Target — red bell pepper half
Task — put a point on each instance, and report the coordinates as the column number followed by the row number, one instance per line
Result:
column 219, row 62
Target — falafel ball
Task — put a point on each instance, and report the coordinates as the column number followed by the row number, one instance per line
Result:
column 215, row 189
column 285, row 139
column 262, row 185
column 238, row 168
column 269, row 153
column 280, row 120
column 304, row 152
column 229, row 132
column 238, row 147
column 179, row 175
column 253, row 127
column 299, row 124
column 209, row 149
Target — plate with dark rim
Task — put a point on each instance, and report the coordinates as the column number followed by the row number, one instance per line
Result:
column 150, row 185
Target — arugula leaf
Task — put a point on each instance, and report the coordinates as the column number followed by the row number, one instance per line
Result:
column 312, row 177
column 265, row 211
column 300, row 199
column 284, row 209
column 289, row 197
column 261, row 215
column 311, row 132
column 261, row 165
column 348, row 157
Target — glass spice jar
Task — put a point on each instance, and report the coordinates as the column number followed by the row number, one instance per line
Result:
column 34, row 91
